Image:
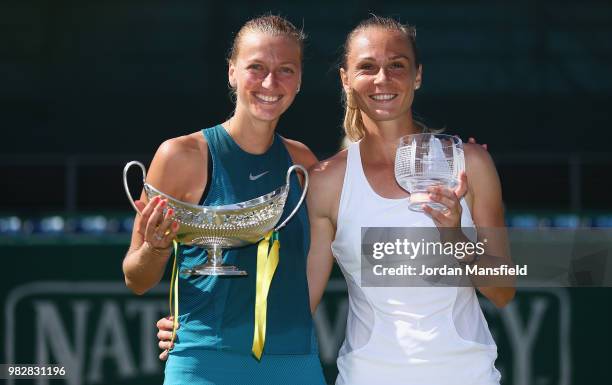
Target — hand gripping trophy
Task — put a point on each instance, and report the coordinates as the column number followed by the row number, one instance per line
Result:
column 215, row 228
column 426, row 160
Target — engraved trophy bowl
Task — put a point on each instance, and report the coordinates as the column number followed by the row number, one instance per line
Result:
column 426, row 160
column 216, row 228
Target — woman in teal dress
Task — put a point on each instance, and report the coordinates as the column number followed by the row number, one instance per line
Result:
column 231, row 162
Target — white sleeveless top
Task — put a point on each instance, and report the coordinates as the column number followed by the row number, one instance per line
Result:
column 404, row 335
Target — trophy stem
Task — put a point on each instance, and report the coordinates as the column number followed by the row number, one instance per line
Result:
column 215, row 257
column 214, row 265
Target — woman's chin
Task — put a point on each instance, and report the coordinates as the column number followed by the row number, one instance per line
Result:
column 384, row 115
column 266, row 113
column 266, row 117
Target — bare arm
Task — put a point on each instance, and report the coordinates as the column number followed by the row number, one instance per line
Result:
column 320, row 259
column 177, row 169
column 488, row 213
column 484, row 198
column 323, row 200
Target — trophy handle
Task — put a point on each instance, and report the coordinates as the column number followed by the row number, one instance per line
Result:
column 125, row 184
column 301, row 168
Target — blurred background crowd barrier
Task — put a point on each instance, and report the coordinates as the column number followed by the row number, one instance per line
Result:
column 86, row 86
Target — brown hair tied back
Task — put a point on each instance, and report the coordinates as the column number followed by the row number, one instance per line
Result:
column 269, row 24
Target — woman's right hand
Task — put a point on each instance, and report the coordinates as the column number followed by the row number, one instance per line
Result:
column 164, row 335
column 451, row 199
column 157, row 230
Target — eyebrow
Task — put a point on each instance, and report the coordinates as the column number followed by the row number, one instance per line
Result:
column 391, row 58
column 257, row 60
column 401, row 57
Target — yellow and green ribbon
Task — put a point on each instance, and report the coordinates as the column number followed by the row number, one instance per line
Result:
column 267, row 260
column 174, row 293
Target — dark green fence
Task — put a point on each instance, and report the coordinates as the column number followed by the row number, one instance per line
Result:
column 64, row 301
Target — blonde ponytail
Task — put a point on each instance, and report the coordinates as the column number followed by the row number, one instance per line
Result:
column 353, row 124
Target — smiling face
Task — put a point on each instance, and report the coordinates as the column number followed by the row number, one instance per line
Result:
column 265, row 74
column 381, row 73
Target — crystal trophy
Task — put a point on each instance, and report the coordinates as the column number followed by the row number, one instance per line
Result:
column 426, row 160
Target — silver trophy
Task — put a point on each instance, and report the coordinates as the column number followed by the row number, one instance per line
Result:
column 425, row 160
column 215, row 228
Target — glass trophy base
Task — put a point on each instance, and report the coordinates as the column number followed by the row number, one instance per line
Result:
column 418, row 206
column 214, row 270
column 420, row 199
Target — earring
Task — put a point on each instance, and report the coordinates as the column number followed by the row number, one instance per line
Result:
column 298, row 90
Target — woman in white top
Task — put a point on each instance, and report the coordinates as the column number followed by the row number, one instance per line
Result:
column 421, row 335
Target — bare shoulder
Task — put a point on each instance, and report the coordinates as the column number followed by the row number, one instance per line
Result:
column 478, row 162
column 300, row 153
column 326, row 181
column 332, row 168
column 327, row 176
column 476, row 155
column 179, row 166
column 183, row 148
column 484, row 187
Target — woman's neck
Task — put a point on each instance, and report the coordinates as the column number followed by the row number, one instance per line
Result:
column 382, row 137
column 251, row 135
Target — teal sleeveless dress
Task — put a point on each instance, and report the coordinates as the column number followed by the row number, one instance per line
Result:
column 216, row 313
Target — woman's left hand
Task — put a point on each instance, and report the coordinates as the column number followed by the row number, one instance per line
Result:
column 451, row 217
